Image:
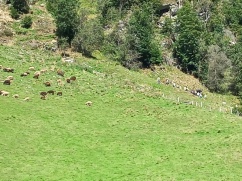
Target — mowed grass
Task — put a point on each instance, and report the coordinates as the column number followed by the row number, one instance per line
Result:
column 129, row 133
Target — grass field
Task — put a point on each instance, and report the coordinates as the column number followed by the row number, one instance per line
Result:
column 127, row 134
column 131, row 132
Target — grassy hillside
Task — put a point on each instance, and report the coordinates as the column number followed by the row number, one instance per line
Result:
column 131, row 132
column 127, row 134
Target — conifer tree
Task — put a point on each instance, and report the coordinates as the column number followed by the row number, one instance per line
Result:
column 141, row 27
column 189, row 31
column 66, row 18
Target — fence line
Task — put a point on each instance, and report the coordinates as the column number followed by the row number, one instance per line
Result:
column 203, row 104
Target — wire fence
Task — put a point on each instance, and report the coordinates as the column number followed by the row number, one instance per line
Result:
column 203, row 104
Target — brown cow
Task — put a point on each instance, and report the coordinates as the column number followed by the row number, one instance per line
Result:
column 43, row 93
column 7, row 82
column 60, row 72
column 51, row 92
column 24, row 74
column 36, row 76
column 8, row 70
column 73, row 78
column 68, row 80
column 47, row 84
column 59, row 93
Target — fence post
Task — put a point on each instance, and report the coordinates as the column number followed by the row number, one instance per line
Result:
column 178, row 99
column 201, row 104
column 231, row 110
column 196, row 103
column 220, row 109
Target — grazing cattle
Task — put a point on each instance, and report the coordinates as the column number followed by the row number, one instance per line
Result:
column 59, row 81
column 26, row 99
column 31, row 68
column 199, row 91
column 8, row 70
column 73, row 78
column 37, row 73
column 194, row 92
column 10, row 77
column 4, row 93
column 43, row 93
column 24, row 74
column 60, row 72
column 59, row 94
column 68, row 80
column 36, row 76
column 43, row 70
column 89, row 103
column 7, row 82
column 16, row 96
column 47, row 84
column 51, row 92
column 11, row 70
column 43, row 97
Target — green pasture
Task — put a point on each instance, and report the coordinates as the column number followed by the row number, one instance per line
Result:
column 129, row 133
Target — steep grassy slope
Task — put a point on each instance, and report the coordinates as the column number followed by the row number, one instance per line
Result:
column 129, row 133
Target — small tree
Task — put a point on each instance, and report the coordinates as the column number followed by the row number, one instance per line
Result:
column 14, row 13
column 219, row 70
column 66, row 17
column 89, row 37
column 26, row 22
column 118, row 45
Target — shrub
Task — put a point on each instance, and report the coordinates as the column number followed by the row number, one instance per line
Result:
column 14, row 13
column 89, row 37
column 26, row 22
column 20, row 5
column 8, row 32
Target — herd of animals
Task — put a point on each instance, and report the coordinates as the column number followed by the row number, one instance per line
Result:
column 36, row 75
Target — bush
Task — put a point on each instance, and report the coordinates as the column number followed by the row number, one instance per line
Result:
column 20, row 5
column 89, row 37
column 8, row 32
column 26, row 22
column 14, row 13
